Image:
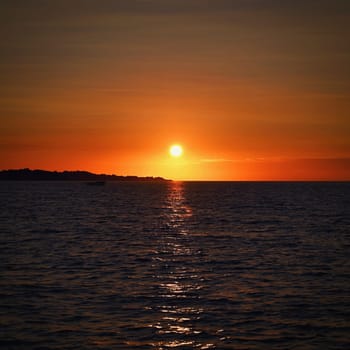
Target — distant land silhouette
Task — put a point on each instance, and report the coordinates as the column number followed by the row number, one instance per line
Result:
column 44, row 175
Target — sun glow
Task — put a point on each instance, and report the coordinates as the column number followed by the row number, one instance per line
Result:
column 175, row 151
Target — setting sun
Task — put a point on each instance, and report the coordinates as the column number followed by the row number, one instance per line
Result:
column 175, row 150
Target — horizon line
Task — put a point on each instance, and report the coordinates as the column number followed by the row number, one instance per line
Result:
column 180, row 180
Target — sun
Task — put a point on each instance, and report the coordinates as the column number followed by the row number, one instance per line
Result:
column 176, row 151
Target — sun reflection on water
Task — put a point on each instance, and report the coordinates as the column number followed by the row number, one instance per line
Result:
column 178, row 280
column 178, row 210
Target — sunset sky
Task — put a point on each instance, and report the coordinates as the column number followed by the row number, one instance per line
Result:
column 251, row 89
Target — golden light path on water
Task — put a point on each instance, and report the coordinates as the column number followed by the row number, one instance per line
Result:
column 179, row 282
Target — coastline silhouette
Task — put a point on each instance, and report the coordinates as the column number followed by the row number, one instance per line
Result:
column 78, row 175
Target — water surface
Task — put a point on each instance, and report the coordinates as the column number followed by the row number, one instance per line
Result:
column 174, row 265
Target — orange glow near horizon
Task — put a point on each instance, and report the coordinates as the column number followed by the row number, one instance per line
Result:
column 251, row 147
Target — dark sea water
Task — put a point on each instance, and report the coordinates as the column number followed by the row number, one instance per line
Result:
column 174, row 265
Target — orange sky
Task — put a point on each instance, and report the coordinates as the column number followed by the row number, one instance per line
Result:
column 253, row 90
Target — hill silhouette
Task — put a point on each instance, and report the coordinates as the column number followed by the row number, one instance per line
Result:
column 44, row 175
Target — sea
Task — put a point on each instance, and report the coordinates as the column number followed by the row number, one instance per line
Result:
column 184, row 265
